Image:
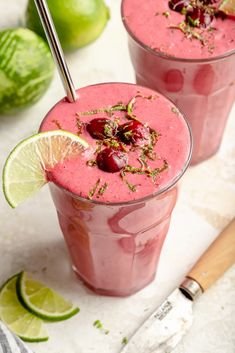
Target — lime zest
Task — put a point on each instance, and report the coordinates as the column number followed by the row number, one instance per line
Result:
column 98, row 324
column 124, row 340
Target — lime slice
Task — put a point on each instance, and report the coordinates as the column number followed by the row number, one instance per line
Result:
column 24, row 172
column 43, row 301
column 24, row 324
column 228, row 7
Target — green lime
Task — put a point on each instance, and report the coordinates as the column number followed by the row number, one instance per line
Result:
column 78, row 22
column 24, row 172
column 43, row 301
column 26, row 69
column 228, row 7
column 24, row 324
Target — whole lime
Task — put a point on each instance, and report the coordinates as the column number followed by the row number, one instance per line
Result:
column 78, row 22
column 26, row 69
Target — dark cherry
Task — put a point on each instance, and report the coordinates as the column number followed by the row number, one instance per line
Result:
column 198, row 17
column 209, row 2
column 179, row 5
column 110, row 160
column 221, row 15
column 102, row 128
column 134, row 132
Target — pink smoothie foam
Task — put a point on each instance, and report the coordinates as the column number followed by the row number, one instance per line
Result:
column 195, row 69
column 115, row 238
column 158, row 113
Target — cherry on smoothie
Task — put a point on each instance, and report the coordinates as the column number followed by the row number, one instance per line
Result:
column 198, row 17
column 110, row 160
column 101, row 128
column 209, row 2
column 179, row 5
column 134, row 132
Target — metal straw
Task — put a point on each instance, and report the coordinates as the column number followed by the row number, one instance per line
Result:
column 56, row 49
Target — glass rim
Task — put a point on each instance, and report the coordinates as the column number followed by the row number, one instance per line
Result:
column 169, row 57
column 149, row 196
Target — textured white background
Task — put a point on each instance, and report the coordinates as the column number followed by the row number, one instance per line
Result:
column 30, row 238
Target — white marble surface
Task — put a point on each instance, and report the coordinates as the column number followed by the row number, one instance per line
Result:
column 30, row 238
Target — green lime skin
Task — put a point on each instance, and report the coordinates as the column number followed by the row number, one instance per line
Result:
column 26, row 69
column 78, row 22
column 43, row 302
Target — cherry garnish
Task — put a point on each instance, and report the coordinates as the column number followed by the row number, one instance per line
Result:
column 198, row 17
column 209, row 2
column 134, row 132
column 111, row 161
column 179, row 5
column 102, row 128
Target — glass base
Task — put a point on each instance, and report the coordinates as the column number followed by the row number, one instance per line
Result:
column 111, row 292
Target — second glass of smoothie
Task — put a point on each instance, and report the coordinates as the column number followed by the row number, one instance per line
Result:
column 114, row 202
column 190, row 60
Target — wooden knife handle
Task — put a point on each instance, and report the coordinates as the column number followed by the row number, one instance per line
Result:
column 216, row 259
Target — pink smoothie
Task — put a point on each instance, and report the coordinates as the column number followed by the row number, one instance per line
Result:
column 172, row 146
column 193, row 66
column 152, row 22
column 115, row 236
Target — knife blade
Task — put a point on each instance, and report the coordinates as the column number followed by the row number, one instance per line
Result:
column 167, row 325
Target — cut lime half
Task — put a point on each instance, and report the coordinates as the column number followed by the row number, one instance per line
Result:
column 19, row 320
column 43, row 301
column 24, row 172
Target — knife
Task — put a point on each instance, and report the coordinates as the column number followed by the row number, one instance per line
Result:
column 166, row 326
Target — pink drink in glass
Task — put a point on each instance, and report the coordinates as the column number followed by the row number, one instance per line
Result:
column 115, row 236
column 197, row 75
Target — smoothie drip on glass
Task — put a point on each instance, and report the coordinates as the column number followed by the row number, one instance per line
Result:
column 115, row 221
column 187, row 52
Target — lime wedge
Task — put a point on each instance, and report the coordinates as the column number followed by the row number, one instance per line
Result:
column 43, row 301
column 228, row 7
column 24, row 324
column 24, row 172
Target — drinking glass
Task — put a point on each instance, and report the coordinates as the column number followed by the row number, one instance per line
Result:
column 204, row 89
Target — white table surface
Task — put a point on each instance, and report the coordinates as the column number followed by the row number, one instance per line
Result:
column 30, row 238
